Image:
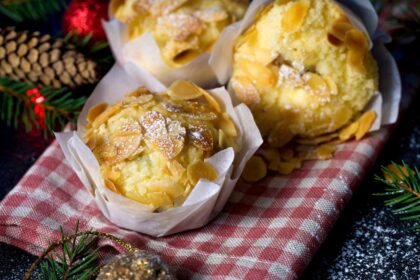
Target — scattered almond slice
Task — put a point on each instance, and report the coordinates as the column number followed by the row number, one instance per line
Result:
column 317, row 140
column 170, row 187
column 280, row 135
column 184, row 90
column 356, row 40
column 105, row 115
column 110, row 185
column 201, row 170
column 95, row 111
column 112, row 174
column 255, row 170
column 201, row 137
column 159, row 199
column 176, row 168
column 287, row 167
column 349, row 131
column 246, row 37
column 332, row 86
column 365, row 123
column 325, row 151
column 272, row 156
column 286, row 153
column 139, row 92
column 245, row 91
column 317, row 84
column 339, row 29
column 212, row 101
column 295, row 16
column 259, row 73
column 227, row 125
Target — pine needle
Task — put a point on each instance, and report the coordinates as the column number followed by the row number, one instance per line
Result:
column 403, row 188
column 77, row 258
column 21, row 10
column 57, row 107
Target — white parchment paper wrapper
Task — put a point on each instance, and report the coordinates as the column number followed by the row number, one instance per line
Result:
column 206, row 199
column 362, row 14
column 144, row 52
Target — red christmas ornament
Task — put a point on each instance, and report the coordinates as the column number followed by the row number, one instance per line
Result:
column 84, row 17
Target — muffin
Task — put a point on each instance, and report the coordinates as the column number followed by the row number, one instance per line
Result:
column 304, row 69
column 152, row 147
column 182, row 29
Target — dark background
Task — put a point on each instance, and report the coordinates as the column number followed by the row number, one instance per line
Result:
column 367, row 242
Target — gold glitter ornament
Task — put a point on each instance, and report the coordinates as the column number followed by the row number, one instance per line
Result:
column 140, row 265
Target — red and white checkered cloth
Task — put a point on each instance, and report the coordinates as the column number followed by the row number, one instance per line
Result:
column 267, row 231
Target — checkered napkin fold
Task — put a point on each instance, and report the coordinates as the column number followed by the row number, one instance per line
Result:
column 269, row 230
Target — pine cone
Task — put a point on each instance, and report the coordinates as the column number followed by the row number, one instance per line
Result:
column 39, row 59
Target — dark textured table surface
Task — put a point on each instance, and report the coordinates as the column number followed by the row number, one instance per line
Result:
column 367, row 242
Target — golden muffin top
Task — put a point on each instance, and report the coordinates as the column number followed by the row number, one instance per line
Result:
column 152, row 147
column 304, row 69
column 183, row 29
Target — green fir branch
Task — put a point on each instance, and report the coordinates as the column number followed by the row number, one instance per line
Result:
column 403, row 189
column 74, row 257
column 59, row 107
column 21, row 10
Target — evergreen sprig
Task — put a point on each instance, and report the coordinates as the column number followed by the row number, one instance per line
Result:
column 76, row 259
column 21, row 10
column 403, row 188
column 57, row 106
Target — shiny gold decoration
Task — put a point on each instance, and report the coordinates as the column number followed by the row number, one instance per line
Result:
column 140, row 265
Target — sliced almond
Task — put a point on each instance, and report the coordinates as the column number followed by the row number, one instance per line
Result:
column 294, row 16
column 365, row 123
column 210, row 116
column 280, row 135
column 317, row 140
column 95, row 111
column 272, row 156
column 332, row 86
column 105, row 115
column 349, row 131
column 262, row 12
column 110, row 185
column 112, row 174
column 176, row 169
column 168, row 186
column 184, row 90
column 245, row 91
column 356, row 40
column 317, row 84
column 226, row 141
column 227, row 125
column 159, row 199
column 287, row 167
column 139, row 92
column 286, row 153
column 212, row 101
column 247, row 37
column 201, row 137
column 258, row 72
column 339, row 29
column 255, row 170
column 163, row 133
column 325, row 151
column 201, row 170
column 356, row 60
